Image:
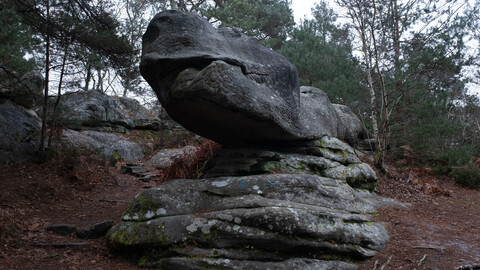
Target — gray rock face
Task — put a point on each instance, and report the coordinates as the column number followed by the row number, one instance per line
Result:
column 258, row 218
column 95, row 110
column 107, row 146
column 259, row 208
column 317, row 114
column 353, row 130
column 26, row 93
column 20, row 133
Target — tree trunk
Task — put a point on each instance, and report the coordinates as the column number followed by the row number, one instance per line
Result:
column 59, row 95
column 88, row 78
column 100, row 80
column 382, row 142
column 45, row 100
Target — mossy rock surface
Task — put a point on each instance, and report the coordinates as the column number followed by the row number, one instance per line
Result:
column 259, row 221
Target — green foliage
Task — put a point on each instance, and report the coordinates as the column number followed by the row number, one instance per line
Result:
column 458, row 156
column 267, row 20
column 85, row 31
column 467, row 176
column 430, row 83
column 16, row 42
column 322, row 53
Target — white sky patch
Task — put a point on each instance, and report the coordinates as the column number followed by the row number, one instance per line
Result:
column 302, row 9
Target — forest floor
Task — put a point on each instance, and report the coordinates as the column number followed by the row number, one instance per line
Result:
column 440, row 229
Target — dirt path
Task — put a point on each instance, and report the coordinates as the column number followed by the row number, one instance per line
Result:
column 439, row 231
column 33, row 197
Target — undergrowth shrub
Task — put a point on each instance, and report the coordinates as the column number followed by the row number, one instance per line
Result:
column 458, row 156
column 190, row 164
column 467, row 176
column 453, row 158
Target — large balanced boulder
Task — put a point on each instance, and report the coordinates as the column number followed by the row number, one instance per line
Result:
column 20, row 133
column 223, row 85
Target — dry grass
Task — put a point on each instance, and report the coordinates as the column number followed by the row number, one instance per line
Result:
column 190, row 164
column 423, row 179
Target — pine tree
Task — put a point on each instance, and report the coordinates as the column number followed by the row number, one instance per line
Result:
column 322, row 52
column 17, row 42
column 269, row 21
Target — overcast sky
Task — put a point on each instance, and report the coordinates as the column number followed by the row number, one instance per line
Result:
column 302, row 8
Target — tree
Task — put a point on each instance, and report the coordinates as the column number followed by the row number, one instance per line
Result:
column 385, row 29
column 322, row 52
column 17, row 41
column 80, row 24
column 362, row 16
column 138, row 13
column 269, row 21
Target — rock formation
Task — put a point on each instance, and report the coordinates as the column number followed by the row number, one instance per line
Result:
column 20, row 133
column 98, row 122
column 106, row 146
column 285, row 192
column 19, row 125
column 94, row 110
column 26, row 92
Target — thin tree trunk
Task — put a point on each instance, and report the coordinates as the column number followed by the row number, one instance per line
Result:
column 380, row 156
column 356, row 10
column 89, row 76
column 397, row 66
column 100, row 80
column 59, row 95
column 368, row 67
column 45, row 100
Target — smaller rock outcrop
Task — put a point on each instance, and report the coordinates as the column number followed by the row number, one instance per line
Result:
column 94, row 110
column 259, row 207
column 26, row 92
column 19, row 126
column 327, row 157
column 20, row 133
column 259, row 221
column 108, row 146
column 352, row 129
